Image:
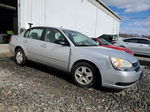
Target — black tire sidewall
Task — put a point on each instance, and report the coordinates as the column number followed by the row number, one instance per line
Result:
column 85, row 64
column 24, row 58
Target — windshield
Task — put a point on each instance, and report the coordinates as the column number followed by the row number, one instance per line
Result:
column 79, row 39
column 104, row 42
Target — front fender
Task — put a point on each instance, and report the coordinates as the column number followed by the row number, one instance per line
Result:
column 100, row 63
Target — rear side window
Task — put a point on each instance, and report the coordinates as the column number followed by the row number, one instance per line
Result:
column 131, row 40
column 26, row 34
column 35, row 34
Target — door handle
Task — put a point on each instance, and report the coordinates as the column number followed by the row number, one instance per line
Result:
column 44, row 45
column 141, row 45
column 25, row 41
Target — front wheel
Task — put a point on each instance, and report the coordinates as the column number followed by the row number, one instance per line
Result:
column 84, row 74
column 20, row 57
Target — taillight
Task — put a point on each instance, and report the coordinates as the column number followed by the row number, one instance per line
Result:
column 10, row 38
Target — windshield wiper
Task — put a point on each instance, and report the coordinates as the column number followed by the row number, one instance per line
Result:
column 86, row 45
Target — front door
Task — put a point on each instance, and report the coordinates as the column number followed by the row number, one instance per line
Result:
column 55, row 49
column 132, row 44
column 144, row 46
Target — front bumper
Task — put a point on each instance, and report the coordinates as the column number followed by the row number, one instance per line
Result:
column 121, row 79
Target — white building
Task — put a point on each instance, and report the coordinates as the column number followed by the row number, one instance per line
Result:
column 90, row 17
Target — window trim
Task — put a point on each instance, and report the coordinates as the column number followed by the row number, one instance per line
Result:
column 143, row 43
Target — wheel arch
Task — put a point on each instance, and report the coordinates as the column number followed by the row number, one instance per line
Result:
column 17, row 47
column 87, row 61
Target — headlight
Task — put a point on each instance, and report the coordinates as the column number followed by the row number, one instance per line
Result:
column 120, row 63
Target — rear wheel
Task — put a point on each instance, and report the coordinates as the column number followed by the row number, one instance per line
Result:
column 20, row 57
column 84, row 74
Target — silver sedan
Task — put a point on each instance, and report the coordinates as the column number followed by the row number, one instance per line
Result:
column 76, row 53
column 137, row 45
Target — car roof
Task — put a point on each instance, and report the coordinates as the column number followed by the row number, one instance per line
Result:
column 136, row 38
column 52, row 27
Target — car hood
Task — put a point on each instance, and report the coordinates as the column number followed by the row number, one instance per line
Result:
column 107, row 52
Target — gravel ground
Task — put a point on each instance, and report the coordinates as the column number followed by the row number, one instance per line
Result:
column 38, row 88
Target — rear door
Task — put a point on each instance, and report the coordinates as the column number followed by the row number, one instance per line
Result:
column 144, row 46
column 132, row 44
column 32, row 43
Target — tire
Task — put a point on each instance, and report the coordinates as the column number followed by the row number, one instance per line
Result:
column 20, row 58
column 84, row 74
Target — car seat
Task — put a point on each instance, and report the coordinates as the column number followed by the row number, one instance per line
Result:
column 50, row 37
column 34, row 35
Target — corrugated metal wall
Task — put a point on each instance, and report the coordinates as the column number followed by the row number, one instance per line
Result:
column 78, row 15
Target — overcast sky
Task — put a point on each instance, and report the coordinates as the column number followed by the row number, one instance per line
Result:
column 135, row 15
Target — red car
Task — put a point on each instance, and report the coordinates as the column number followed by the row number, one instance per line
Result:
column 104, row 43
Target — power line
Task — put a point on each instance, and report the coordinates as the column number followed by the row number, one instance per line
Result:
column 7, row 6
column 133, row 18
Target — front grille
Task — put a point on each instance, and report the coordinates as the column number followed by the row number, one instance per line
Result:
column 135, row 64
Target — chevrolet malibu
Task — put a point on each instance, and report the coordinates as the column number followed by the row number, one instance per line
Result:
column 76, row 53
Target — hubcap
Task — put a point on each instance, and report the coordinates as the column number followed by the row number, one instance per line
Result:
column 19, row 57
column 83, row 75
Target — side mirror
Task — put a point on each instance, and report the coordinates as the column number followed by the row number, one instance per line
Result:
column 62, row 43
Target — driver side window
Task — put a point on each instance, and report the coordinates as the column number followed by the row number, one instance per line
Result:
column 53, row 36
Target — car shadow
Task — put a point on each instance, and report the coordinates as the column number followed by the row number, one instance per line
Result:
column 106, row 89
column 49, row 70
column 63, row 75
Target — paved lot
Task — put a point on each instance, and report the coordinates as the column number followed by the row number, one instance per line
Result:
column 38, row 88
column 4, row 50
